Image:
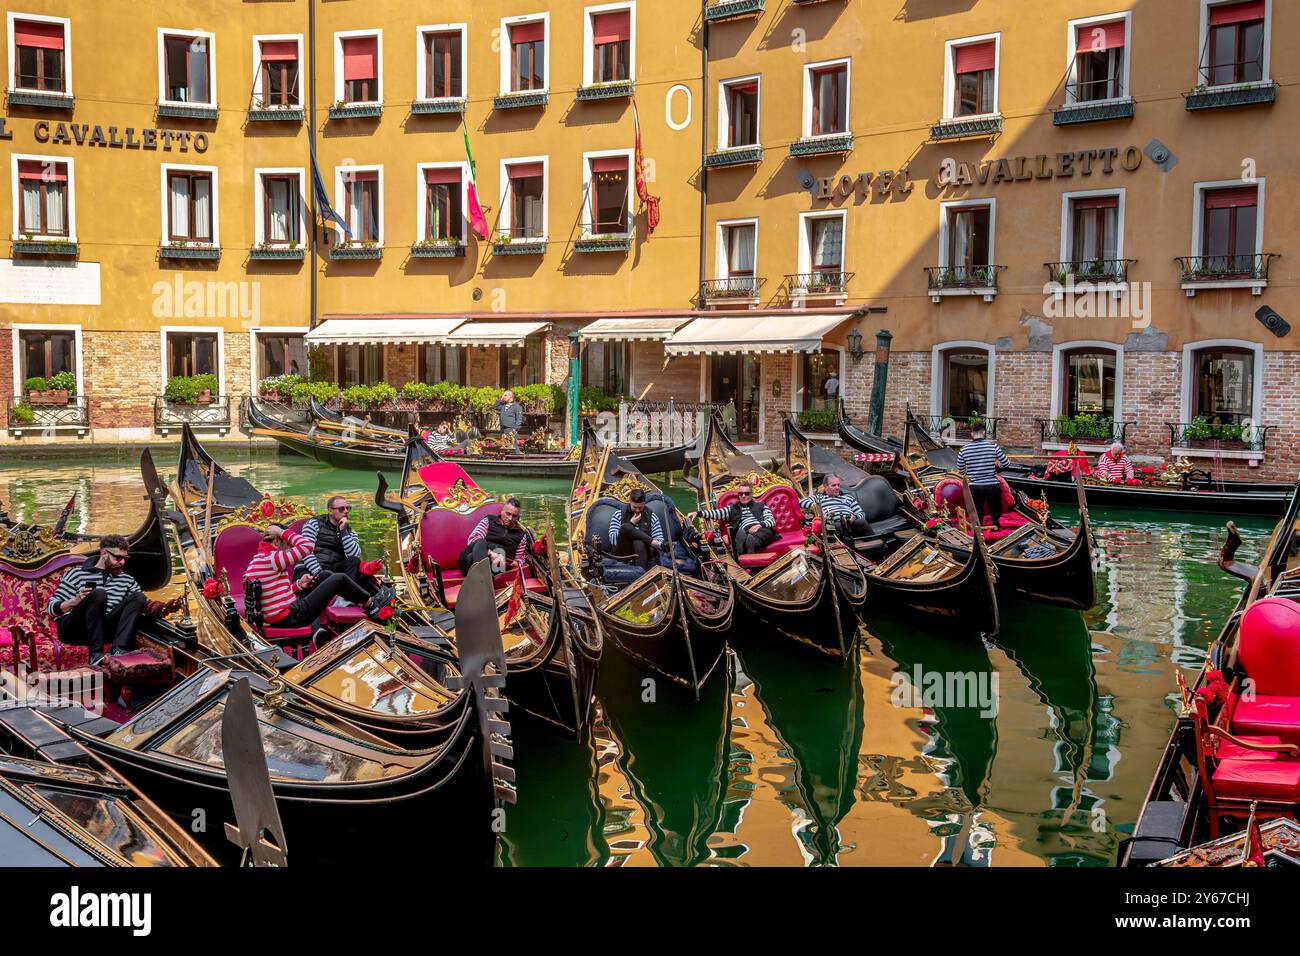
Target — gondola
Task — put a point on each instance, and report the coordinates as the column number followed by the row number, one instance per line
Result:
column 341, row 449
column 552, row 649
column 668, row 621
column 936, row 573
column 808, row 588
column 1234, row 756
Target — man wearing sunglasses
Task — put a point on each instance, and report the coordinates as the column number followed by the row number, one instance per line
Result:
column 335, row 548
column 98, row 597
column 753, row 526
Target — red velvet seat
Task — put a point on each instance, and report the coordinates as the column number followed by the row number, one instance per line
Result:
column 1250, row 779
column 24, row 594
column 784, row 502
column 1268, row 649
column 1227, row 750
column 232, row 552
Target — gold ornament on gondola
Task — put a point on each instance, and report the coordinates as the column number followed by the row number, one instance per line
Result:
column 265, row 513
column 623, row 488
column 29, row 546
column 462, row 498
column 761, row 482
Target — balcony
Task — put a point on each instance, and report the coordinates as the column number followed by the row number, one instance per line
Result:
column 263, row 113
column 438, row 249
column 442, row 104
column 732, row 9
column 348, row 111
column 613, row 90
column 26, row 418
column 1089, row 432
column 507, row 243
column 188, row 250
column 519, row 100
column 956, row 429
column 962, row 280
column 1225, row 272
column 1096, row 111
column 42, row 99
column 1203, row 439
column 170, row 416
column 1219, row 97
column 45, row 247
column 191, row 111
column 822, row 145
column 736, row 290
column 966, row 127
column 815, row 285
column 1089, row 275
column 604, row 242
column 357, row 250
column 275, row 252
column 734, row 156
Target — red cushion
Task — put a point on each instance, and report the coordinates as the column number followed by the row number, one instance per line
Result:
column 1008, row 496
column 344, row 615
column 274, row 633
column 24, row 595
column 530, row 584
column 137, row 667
column 1277, row 780
column 784, row 502
column 949, row 491
column 1269, row 646
column 443, row 536
column 232, row 552
column 1013, row 520
column 760, row 559
column 1227, row 750
column 1268, row 716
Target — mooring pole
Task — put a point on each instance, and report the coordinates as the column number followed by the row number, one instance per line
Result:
column 575, row 378
column 876, row 420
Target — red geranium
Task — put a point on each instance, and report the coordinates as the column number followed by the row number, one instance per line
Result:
column 541, row 547
column 370, row 567
column 817, row 525
column 385, row 612
column 211, row 589
column 267, row 507
column 1148, row 470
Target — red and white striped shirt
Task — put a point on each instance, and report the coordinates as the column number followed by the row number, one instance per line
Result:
column 1113, row 469
column 274, row 568
column 480, row 532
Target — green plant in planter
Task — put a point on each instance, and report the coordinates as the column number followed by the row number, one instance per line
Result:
column 1198, row 430
column 23, row 413
column 321, row 391
column 318, row 363
column 592, row 400
column 35, row 384
column 418, row 392
column 817, row 420
column 482, row 399
column 63, row 381
column 451, row 394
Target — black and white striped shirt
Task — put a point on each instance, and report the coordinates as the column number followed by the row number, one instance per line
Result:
column 118, row 586
column 834, row 505
column 748, row 519
column 656, row 529
column 979, row 460
column 347, row 538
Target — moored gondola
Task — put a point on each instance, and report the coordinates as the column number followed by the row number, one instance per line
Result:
column 805, row 584
column 673, row 618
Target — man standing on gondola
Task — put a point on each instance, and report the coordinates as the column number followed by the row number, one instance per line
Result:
column 335, row 547
column 511, row 415
column 979, row 462
column 752, row 524
column 498, row 537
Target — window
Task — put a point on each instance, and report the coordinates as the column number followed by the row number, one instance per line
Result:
column 1229, row 229
column 609, row 186
column 189, row 206
column 442, row 65
column 527, row 200
column 826, row 243
column 278, row 73
column 360, row 68
column 47, row 353
column 965, row 381
column 442, row 203
column 740, row 113
column 522, row 365
column 974, row 77
column 281, row 208
column 1235, row 44
column 828, row 90
column 611, row 46
column 444, row 363
column 39, row 55
column 970, row 235
column 604, row 366
column 1094, row 229
column 187, row 68
column 528, row 56
column 281, row 355
column 1099, row 68
column 359, row 364
column 740, row 244
column 361, row 204
column 191, row 353
column 820, row 380
column 1223, row 386
column 43, row 203
column 1089, row 383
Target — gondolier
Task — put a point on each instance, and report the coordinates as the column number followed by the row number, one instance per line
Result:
column 335, row 547
column 298, row 602
column 510, row 414
column 1114, row 466
column 634, row 532
column 98, row 596
column 840, row 509
column 499, row 537
column 979, row 461
column 752, row 524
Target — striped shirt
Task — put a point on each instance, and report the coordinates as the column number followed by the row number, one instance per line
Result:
column 438, row 441
column 656, row 529
column 1114, row 469
column 347, row 538
column 979, row 460
column 480, row 532
column 274, row 568
column 833, row 506
column 747, row 518
column 86, row 575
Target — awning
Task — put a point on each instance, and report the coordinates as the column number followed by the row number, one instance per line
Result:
column 382, row 331
column 631, row 330
column 795, row 332
column 495, row 333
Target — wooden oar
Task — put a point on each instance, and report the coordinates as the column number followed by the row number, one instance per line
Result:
column 275, row 433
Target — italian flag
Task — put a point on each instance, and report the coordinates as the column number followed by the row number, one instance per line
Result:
column 477, row 221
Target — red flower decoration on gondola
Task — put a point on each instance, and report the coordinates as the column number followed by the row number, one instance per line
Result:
column 413, row 563
column 1148, row 470
column 370, row 567
column 817, row 525
column 211, row 589
column 1214, row 676
column 385, row 612
column 267, row 508
column 541, row 547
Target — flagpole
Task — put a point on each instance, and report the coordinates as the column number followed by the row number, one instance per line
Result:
column 311, row 140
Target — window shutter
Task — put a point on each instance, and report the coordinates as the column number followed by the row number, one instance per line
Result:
column 361, row 58
column 1227, row 13
column 1090, row 42
column 525, row 170
column 609, row 164
column 35, row 169
column 1097, row 202
column 976, row 57
column 46, row 35
column 279, row 51
column 436, row 177
column 1229, row 198
column 611, row 27
column 528, row 32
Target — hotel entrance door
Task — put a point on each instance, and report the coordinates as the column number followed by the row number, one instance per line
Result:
column 735, row 379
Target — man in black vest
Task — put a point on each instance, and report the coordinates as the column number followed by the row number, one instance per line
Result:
column 752, row 524
column 335, row 547
column 499, row 537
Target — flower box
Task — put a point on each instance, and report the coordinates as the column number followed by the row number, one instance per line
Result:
column 603, row 244
column 40, row 98
column 822, row 145
column 193, row 111
column 271, row 114
column 734, row 156
column 276, row 252
column 55, row 396
column 189, row 252
column 519, row 247
column 346, row 111
column 510, row 101
column 730, row 9
column 616, row 89
column 444, row 104
column 1218, row 97
column 357, row 252
column 44, row 247
column 438, row 250
column 961, row 128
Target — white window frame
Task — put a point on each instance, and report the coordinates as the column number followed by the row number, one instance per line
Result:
column 798, row 397
column 1256, row 286
column 258, row 40
column 259, row 202
column 724, row 111
column 1256, row 397
column 421, row 207
column 46, row 327
column 12, row 54
column 422, row 70
column 1205, row 34
column 1067, row 219
column 587, row 224
column 721, row 269
column 1058, row 386
column 166, row 168
column 1072, row 44
column 217, row 330
column 805, row 266
column 339, row 84
column 589, row 38
column 957, row 204
column 163, row 33
column 937, row 354
column 506, row 219
column 950, row 75
column 267, row 330
column 808, row 70
column 342, row 174
column 15, row 193
column 506, row 24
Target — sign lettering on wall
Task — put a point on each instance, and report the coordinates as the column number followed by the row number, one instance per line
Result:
column 83, row 134
column 1064, row 165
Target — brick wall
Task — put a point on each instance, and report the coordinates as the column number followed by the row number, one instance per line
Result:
column 1152, row 381
column 1022, row 383
column 909, row 381
column 557, row 352
column 484, row 365
column 238, row 369
column 122, row 377
column 776, row 368
column 401, row 364
column 7, row 389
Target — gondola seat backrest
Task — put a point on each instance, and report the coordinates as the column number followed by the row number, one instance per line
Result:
column 880, row 506
column 1268, row 650
column 599, row 515
column 444, row 534
column 784, row 502
column 234, row 549
column 949, row 491
column 24, row 594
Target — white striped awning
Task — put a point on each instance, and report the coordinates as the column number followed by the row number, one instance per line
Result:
column 796, row 332
column 382, row 331
column 631, row 330
column 495, row 333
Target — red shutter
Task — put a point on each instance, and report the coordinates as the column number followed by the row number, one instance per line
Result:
column 436, row 177
column 977, row 57
column 31, row 33
column 612, row 27
column 361, row 175
column 361, row 58
column 525, row 170
column 1227, row 13
column 36, row 169
column 1233, row 196
column 1091, row 42
column 1097, row 202
column 279, row 50
column 609, row 164
column 528, row 32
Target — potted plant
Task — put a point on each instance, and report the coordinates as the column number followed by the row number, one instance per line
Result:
column 421, row 393
column 51, row 392
column 817, row 421
column 23, row 413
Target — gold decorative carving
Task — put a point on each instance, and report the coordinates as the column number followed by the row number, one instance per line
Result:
column 761, row 482
column 623, row 488
column 265, row 513
column 30, row 545
column 462, row 498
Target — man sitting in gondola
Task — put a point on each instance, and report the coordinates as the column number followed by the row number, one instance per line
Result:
column 290, row 602
column 842, row 510
column 442, row 437
column 498, row 537
column 752, row 524
column 1114, row 466
column 335, row 547
column 635, row 533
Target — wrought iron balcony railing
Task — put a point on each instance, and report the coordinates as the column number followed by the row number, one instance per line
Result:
column 958, row 427
column 819, row 283
column 963, row 127
column 1218, row 97
column 944, row 278
column 731, row 9
column 24, row 416
column 1251, row 267
column 171, row 415
column 1086, row 429
column 1088, row 271
column 1200, row 433
column 734, row 287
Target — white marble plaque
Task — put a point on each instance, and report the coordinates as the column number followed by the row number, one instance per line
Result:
column 45, row 283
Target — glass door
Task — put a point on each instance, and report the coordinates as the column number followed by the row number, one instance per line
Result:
column 735, row 379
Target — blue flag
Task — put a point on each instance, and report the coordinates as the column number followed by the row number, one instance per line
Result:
column 323, row 205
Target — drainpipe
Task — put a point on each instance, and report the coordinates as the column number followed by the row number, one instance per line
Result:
column 311, row 137
column 704, row 136
column 575, row 373
column 876, row 420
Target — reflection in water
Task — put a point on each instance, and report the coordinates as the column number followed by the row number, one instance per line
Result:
column 801, row 761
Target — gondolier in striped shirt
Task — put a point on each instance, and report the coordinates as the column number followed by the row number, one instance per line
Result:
column 1114, row 465
column 753, row 526
column 97, row 597
column 841, row 510
column 297, row 602
column 635, row 532
column 335, row 546
column 979, row 462
column 497, row 537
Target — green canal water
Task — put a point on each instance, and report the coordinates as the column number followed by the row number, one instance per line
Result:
column 1038, row 751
